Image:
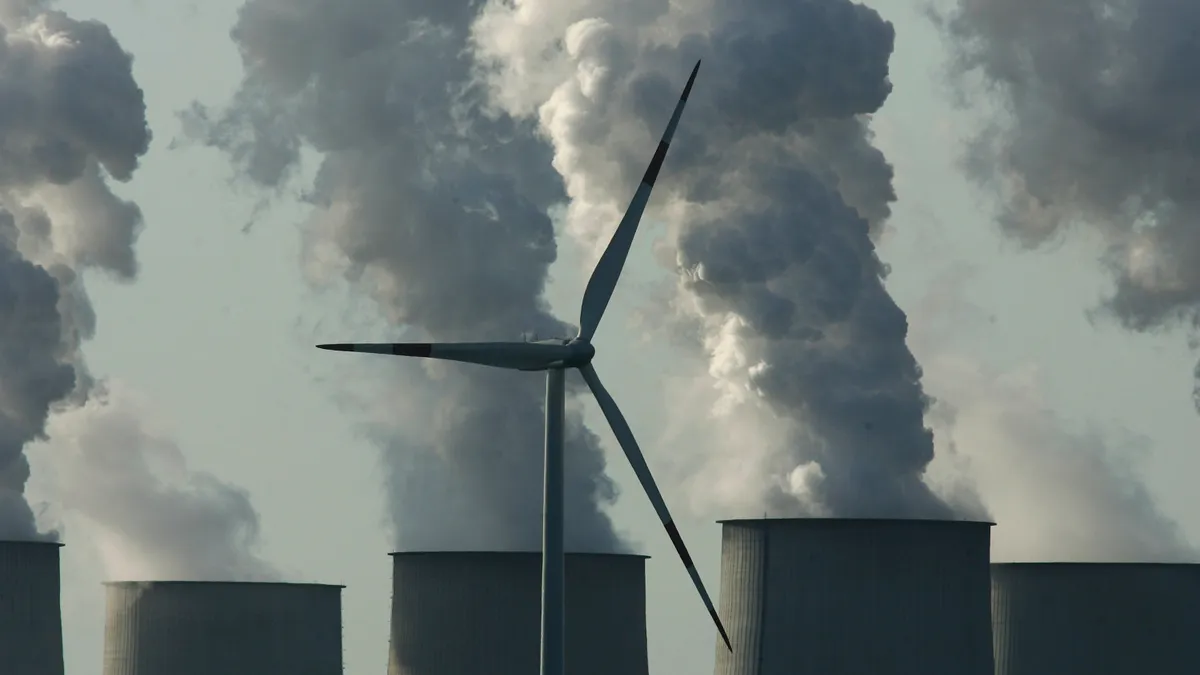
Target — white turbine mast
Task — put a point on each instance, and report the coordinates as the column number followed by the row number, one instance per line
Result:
column 554, row 356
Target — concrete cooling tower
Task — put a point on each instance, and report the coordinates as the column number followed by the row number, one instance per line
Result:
column 1096, row 618
column 30, row 609
column 205, row 628
column 855, row 597
column 480, row 614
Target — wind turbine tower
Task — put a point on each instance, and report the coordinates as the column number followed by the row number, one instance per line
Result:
column 555, row 356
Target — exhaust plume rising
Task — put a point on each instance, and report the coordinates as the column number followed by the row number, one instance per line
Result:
column 437, row 212
column 1097, row 131
column 1058, row 493
column 773, row 201
column 72, row 116
column 150, row 516
column 70, row 112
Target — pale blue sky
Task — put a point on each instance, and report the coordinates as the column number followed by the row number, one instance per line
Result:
column 218, row 333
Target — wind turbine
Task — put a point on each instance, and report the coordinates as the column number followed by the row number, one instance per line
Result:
column 555, row 356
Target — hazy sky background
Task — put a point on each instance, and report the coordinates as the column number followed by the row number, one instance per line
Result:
column 217, row 337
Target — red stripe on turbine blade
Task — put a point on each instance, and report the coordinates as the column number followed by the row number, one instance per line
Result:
column 673, row 533
column 677, row 540
column 691, row 80
column 660, row 155
column 343, row 347
column 418, row 349
column 721, row 629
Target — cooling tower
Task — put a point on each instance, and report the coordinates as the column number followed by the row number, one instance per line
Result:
column 30, row 609
column 1096, row 618
column 479, row 614
column 205, row 628
column 855, row 597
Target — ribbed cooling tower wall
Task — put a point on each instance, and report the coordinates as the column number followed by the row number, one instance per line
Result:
column 855, row 597
column 1096, row 618
column 30, row 609
column 206, row 628
column 479, row 614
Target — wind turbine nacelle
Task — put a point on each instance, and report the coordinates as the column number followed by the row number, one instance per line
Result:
column 555, row 356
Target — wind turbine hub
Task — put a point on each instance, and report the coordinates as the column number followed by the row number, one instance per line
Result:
column 581, row 354
column 553, row 356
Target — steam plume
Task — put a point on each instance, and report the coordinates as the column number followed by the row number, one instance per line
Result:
column 1098, row 132
column 70, row 114
column 773, row 195
column 72, row 117
column 437, row 212
column 147, row 512
column 1056, row 492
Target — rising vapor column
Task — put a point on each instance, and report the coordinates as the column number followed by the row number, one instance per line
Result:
column 478, row 613
column 225, row 628
column 855, row 597
column 30, row 609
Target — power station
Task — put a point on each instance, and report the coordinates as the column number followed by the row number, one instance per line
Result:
column 849, row 597
column 1096, row 618
column 31, row 640
column 468, row 613
column 232, row 628
column 806, row 596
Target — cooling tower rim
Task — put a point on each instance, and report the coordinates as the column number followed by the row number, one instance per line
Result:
column 1094, row 565
column 21, row 542
column 940, row 522
column 210, row 584
column 467, row 554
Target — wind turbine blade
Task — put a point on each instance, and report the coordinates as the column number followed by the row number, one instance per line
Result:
column 604, row 278
column 508, row 355
column 625, row 437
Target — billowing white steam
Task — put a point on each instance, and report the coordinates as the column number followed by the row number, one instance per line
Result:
column 773, row 195
column 436, row 211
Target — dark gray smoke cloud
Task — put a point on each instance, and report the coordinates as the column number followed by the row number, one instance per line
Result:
column 773, row 195
column 1096, row 130
column 70, row 113
column 437, row 212
column 33, row 376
